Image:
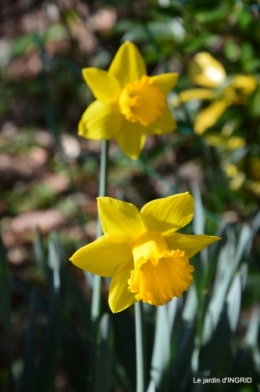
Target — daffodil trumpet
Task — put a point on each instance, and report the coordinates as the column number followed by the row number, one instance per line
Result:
column 129, row 104
column 141, row 251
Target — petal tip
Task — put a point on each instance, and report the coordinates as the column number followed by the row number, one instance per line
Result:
column 128, row 43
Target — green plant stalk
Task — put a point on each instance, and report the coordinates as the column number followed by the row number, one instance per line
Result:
column 140, row 348
column 96, row 296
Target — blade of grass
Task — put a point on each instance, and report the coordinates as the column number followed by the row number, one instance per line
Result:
column 161, row 347
column 151, row 387
column 140, row 348
column 105, row 357
column 27, row 383
column 5, row 310
column 48, row 359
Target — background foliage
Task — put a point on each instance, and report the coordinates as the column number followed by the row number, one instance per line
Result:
column 48, row 185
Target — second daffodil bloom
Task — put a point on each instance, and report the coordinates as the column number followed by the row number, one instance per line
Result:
column 207, row 72
column 129, row 104
column 147, row 260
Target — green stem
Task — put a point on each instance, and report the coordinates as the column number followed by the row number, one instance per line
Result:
column 140, row 348
column 96, row 296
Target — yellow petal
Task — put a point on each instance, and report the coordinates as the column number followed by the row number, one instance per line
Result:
column 215, row 140
column 103, row 256
column 104, row 86
column 207, row 71
column 100, row 121
column 148, row 247
column 244, row 84
column 190, row 244
column 165, row 82
column 209, row 116
column 235, row 142
column 236, row 182
column 168, row 214
column 165, row 124
column 119, row 217
column 131, row 139
column 254, row 168
column 128, row 64
column 120, row 296
column 231, row 170
column 196, row 93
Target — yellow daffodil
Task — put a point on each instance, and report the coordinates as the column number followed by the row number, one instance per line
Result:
column 226, row 143
column 208, row 72
column 129, row 104
column 253, row 182
column 245, row 174
column 254, row 168
column 147, row 260
column 236, row 177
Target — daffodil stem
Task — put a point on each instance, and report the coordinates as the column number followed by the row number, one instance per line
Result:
column 140, row 348
column 96, row 295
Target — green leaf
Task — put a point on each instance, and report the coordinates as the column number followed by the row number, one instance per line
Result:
column 225, row 271
column 234, row 302
column 105, row 355
column 244, row 244
column 38, row 250
column 77, row 360
column 253, row 329
column 151, row 387
column 191, row 305
column 125, row 346
column 27, row 383
column 199, row 216
column 51, row 343
column 256, row 223
column 180, row 369
column 80, row 305
column 5, row 310
column 161, row 347
column 217, row 365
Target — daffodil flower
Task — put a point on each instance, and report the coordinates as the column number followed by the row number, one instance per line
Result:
column 129, row 104
column 147, row 260
column 253, row 177
column 208, row 72
column 225, row 142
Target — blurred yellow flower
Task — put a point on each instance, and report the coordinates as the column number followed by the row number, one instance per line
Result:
column 129, row 104
column 235, row 142
column 231, row 170
column 226, row 142
column 236, row 177
column 253, row 182
column 246, row 175
column 254, row 168
column 146, row 259
column 254, row 186
column 207, row 72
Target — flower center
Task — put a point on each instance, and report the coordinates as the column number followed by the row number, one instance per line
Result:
column 142, row 101
column 160, row 274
